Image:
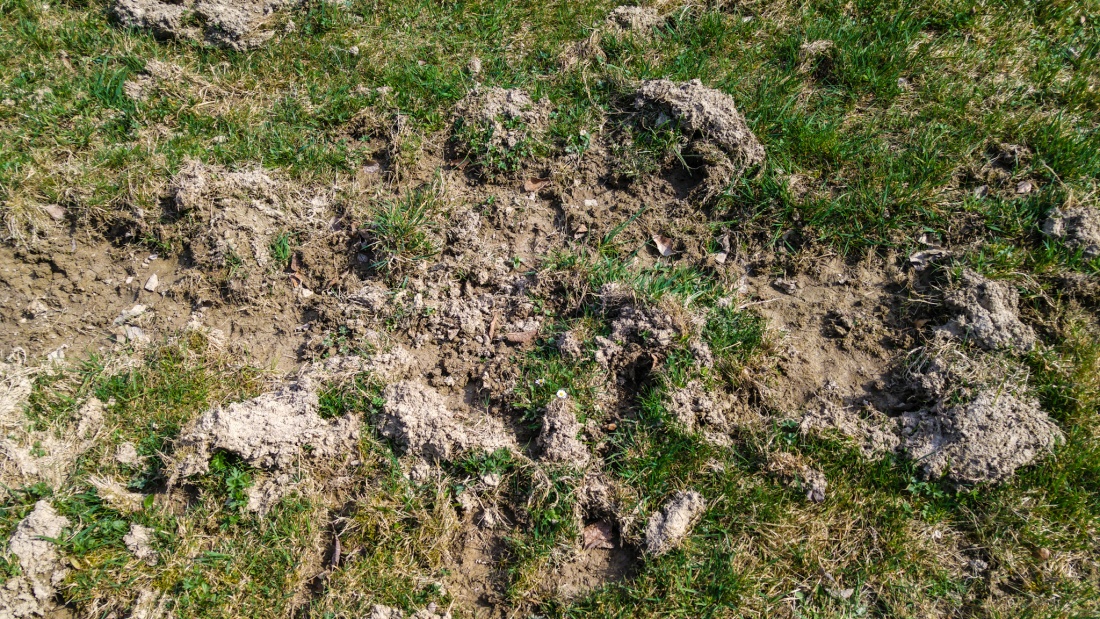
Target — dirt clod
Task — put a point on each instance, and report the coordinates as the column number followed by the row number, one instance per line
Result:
column 669, row 526
column 984, row 440
column 697, row 408
column 1078, row 227
column 234, row 24
column 558, row 440
column 639, row 19
column 271, row 431
column 31, row 593
column 420, row 419
column 989, row 314
column 707, row 113
column 379, row 611
column 139, row 541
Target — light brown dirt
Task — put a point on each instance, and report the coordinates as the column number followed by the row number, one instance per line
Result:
column 1078, row 227
column 668, row 527
column 31, row 593
column 234, row 24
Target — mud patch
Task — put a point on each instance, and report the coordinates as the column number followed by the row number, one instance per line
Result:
column 234, row 24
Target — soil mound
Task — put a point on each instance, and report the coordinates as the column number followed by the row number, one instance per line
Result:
column 1078, row 227
column 558, row 441
column 640, row 19
column 419, row 419
column 31, row 593
column 989, row 314
column 669, row 526
column 709, row 118
column 497, row 128
column 272, row 431
column 984, row 440
column 234, row 24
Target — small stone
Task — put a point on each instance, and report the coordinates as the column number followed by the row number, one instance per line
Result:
column 591, row 203
column 152, row 283
column 55, row 211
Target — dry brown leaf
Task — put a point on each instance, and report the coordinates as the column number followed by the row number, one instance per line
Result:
column 664, row 244
column 535, row 184
column 521, row 337
column 599, row 535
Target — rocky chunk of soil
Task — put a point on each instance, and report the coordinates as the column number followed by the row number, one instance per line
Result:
column 558, row 440
column 696, row 408
column 233, row 24
column 984, row 440
column 139, row 541
column 709, row 118
column 668, row 527
column 31, row 592
column 419, row 419
column 497, row 128
column 1078, row 227
column 989, row 314
column 272, row 431
column 638, row 19
column 379, row 611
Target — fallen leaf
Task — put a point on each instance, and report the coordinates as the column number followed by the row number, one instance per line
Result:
column 493, row 326
column 535, row 184
column 1024, row 187
column 294, row 265
column 664, row 244
column 720, row 257
column 599, row 535
column 981, row 192
column 521, row 337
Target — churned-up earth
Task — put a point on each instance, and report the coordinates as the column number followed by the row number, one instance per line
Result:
column 346, row 309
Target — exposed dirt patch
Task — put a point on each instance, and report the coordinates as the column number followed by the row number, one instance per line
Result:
column 838, row 331
column 421, row 420
column 235, row 24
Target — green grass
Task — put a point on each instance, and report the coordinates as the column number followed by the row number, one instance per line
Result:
column 400, row 231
